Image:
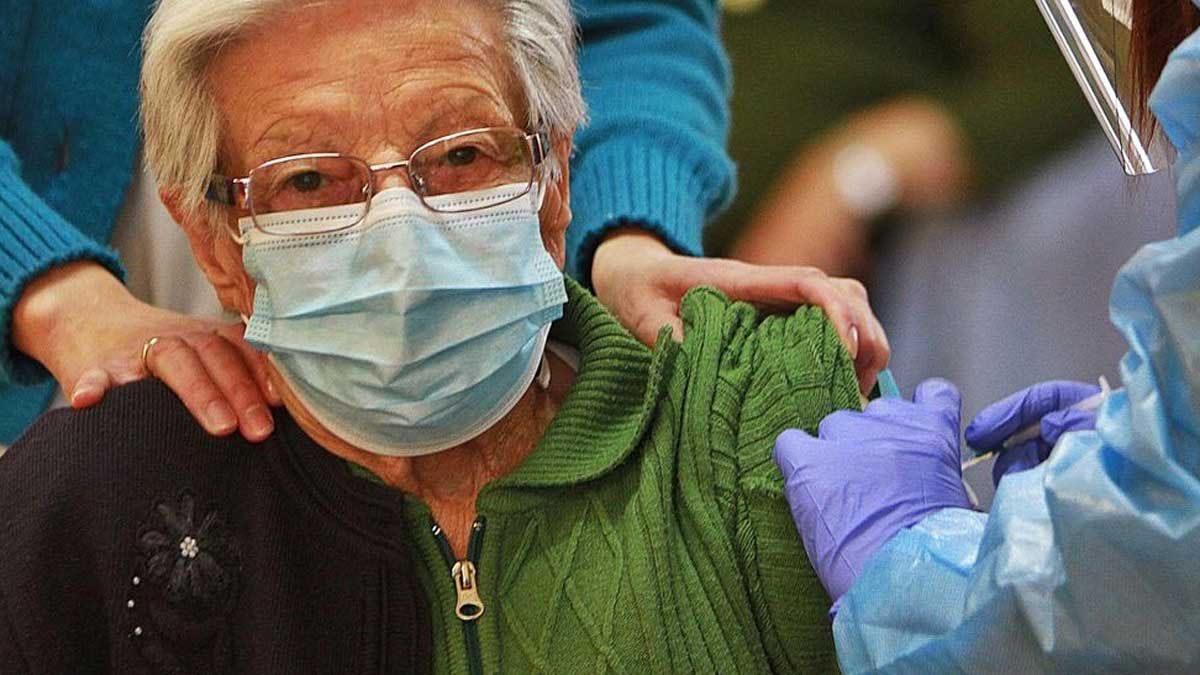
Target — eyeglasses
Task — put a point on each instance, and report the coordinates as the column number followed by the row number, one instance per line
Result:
column 476, row 160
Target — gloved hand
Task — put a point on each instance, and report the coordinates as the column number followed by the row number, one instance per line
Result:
column 870, row 475
column 1049, row 403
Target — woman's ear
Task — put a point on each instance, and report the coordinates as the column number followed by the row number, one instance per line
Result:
column 218, row 255
column 556, row 204
column 562, row 148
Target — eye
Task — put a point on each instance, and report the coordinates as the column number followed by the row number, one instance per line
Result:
column 307, row 181
column 462, row 156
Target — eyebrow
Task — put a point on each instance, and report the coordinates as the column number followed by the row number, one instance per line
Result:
column 287, row 136
column 295, row 134
column 447, row 116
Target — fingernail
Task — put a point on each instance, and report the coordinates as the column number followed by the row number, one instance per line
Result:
column 868, row 386
column 259, row 422
column 853, row 342
column 81, row 392
column 220, row 416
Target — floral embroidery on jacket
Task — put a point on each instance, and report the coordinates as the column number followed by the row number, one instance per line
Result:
column 185, row 585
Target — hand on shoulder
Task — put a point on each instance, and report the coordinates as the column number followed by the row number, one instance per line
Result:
column 643, row 283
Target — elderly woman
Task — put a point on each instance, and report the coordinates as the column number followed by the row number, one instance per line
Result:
column 379, row 188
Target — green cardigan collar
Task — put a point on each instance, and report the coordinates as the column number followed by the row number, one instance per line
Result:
column 611, row 402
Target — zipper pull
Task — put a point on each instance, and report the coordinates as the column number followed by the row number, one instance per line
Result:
column 469, row 605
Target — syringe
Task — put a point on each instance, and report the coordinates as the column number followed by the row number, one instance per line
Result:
column 1034, row 430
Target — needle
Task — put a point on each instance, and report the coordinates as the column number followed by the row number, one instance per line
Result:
column 1034, row 430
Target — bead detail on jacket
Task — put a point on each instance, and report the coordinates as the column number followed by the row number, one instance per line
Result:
column 186, row 584
column 188, row 548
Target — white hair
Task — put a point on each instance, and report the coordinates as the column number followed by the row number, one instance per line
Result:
column 182, row 126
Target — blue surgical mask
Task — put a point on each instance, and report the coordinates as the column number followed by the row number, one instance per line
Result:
column 412, row 331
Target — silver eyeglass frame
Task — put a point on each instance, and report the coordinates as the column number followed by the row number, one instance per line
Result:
column 236, row 192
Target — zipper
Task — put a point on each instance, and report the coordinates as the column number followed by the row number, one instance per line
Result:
column 468, row 605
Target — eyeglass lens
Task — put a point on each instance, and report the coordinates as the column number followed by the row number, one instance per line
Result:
column 476, row 161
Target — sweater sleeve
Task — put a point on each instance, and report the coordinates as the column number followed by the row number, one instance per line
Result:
column 800, row 373
column 772, row 374
column 11, row 658
column 657, row 84
column 33, row 239
column 57, row 484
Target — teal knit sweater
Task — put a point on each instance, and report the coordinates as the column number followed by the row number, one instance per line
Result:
column 648, row 532
column 655, row 78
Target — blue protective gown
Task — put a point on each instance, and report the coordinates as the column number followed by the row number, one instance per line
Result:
column 1092, row 560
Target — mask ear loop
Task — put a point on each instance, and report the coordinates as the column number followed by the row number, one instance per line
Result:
column 538, row 195
column 539, row 199
column 543, row 375
column 235, row 233
column 539, row 185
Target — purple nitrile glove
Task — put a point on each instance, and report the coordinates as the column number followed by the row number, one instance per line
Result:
column 870, row 475
column 1048, row 403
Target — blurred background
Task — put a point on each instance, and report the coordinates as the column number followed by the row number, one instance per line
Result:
column 942, row 153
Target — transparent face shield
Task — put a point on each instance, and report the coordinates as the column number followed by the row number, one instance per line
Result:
column 1094, row 36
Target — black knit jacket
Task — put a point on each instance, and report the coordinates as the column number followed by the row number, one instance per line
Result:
column 131, row 541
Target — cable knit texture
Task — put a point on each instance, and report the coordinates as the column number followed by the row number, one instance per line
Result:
column 648, row 532
column 655, row 79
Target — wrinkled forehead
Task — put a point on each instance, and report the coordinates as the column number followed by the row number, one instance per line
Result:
column 372, row 78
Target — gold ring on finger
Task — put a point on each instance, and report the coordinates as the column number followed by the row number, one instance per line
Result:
column 146, row 355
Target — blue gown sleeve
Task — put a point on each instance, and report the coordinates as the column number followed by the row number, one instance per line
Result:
column 1087, row 563
column 657, row 83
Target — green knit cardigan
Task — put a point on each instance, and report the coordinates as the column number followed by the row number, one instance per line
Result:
column 647, row 532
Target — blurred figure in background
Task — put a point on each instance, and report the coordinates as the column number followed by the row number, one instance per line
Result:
column 803, row 70
column 949, row 161
column 904, row 156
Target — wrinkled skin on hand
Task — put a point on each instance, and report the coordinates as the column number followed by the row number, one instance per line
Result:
column 89, row 331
